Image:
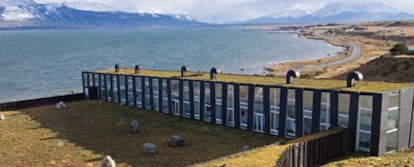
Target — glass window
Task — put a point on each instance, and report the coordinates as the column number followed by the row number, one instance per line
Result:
column 103, row 92
column 219, row 96
column 291, row 114
column 207, row 102
column 115, row 86
column 394, row 100
column 325, row 110
column 364, row 123
column 165, row 103
column 274, row 110
column 244, row 94
column 364, row 141
column 393, row 122
column 196, row 91
column 175, row 88
column 138, row 90
column 108, row 87
column 258, row 116
column 230, row 105
column 307, row 112
column 122, row 80
column 85, row 84
column 393, row 118
column 258, row 100
column 186, row 102
column 343, row 109
column 85, row 79
column 148, row 102
column 130, row 91
column 155, row 94
column 392, row 141
column 291, row 104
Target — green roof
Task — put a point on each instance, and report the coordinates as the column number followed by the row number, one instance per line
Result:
column 361, row 86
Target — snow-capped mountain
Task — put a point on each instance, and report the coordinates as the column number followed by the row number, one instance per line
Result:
column 90, row 6
column 281, row 16
column 338, row 12
column 294, row 13
column 27, row 13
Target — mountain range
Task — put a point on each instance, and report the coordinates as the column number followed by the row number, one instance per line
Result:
column 27, row 13
column 335, row 13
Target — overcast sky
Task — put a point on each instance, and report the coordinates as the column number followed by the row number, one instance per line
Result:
column 219, row 11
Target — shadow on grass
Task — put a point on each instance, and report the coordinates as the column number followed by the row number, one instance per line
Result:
column 103, row 129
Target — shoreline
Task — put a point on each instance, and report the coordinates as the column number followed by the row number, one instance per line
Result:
column 309, row 66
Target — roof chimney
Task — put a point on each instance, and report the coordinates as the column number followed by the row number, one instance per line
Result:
column 352, row 77
column 137, row 69
column 290, row 75
column 184, row 70
column 117, row 67
column 213, row 73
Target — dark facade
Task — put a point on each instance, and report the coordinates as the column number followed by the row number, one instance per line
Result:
column 378, row 123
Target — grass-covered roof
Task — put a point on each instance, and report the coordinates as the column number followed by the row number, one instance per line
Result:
column 362, row 86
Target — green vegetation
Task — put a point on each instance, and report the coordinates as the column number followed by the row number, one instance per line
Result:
column 364, row 86
column 88, row 130
column 399, row 49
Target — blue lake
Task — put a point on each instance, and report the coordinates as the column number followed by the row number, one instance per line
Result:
column 39, row 63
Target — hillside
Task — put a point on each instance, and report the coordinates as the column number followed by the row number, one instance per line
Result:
column 387, row 68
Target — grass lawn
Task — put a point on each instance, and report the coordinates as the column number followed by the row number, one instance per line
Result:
column 88, row 130
column 397, row 159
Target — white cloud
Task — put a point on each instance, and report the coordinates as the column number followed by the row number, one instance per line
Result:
column 13, row 13
column 219, row 11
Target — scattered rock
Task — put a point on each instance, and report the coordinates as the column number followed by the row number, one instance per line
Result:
column 134, row 126
column 150, row 148
column 175, row 141
column 107, row 161
column 246, row 148
column 2, row 117
column 60, row 105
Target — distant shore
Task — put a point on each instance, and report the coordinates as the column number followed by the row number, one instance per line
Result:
column 372, row 40
column 311, row 65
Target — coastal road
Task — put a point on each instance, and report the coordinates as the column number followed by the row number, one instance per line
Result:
column 353, row 55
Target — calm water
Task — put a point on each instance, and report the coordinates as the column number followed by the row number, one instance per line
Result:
column 41, row 63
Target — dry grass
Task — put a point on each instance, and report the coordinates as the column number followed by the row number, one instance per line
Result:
column 264, row 156
column 86, row 131
column 374, row 45
column 375, row 87
column 399, row 159
column 389, row 68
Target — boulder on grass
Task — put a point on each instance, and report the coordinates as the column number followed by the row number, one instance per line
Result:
column 246, row 148
column 107, row 161
column 2, row 117
column 150, row 148
column 175, row 141
column 60, row 105
column 134, row 126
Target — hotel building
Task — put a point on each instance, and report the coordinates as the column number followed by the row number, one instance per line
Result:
column 378, row 115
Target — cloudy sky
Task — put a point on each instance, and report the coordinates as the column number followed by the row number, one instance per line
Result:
column 220, row 11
